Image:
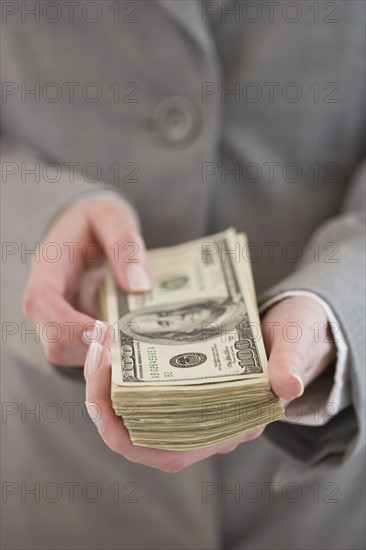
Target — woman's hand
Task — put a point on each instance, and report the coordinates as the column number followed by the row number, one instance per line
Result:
column 59, row 292
column 292, row 365
column 299, row 344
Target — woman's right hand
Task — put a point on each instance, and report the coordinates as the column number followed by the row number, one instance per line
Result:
column 60, row 291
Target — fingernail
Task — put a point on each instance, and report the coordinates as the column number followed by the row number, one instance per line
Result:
column 137, row 278
column 298, row 377
column 95, row 333
column 95, row 414
column 93, row 357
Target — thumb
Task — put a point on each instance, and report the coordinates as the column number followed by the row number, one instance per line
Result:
column 116, row 227
column 286, row 365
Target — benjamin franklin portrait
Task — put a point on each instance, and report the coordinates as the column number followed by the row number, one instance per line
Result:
column 184, row 322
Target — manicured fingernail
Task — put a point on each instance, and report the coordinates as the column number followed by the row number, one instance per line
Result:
column 95, row 333
column 93, row 357
column 137, row 278
column 95, row 414
column 299, row 379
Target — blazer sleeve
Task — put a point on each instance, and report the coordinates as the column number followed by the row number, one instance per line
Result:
column 337, row 275
column 39, row 187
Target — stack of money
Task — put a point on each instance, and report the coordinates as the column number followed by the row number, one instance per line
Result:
column 189, row 367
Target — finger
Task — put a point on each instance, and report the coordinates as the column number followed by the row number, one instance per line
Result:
column 89, row 283
column 286, row 364
column 231, row 444
column 51, row 284
column 54, row 283
column 65, row 333
column 230, row 449
column 117, row 230
column 111, row 428
column 62, row 258
column 295, row 357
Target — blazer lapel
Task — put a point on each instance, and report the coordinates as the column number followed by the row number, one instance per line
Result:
column 188, row 15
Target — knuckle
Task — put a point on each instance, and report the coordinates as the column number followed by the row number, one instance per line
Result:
column 55, row 352
column 176, row 465
column 254, row 433
column 129, row 236
column 229, row 449
column 111, row 208
column 29, row 300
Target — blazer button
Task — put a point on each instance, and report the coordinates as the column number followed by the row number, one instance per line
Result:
column 177, row 120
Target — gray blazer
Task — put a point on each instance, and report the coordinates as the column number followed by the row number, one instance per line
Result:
column 204, row 115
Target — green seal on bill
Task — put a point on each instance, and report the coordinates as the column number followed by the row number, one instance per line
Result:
column 174, row 283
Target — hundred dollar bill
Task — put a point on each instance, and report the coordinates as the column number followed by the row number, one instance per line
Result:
column 195, row 336
column 199, row 323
